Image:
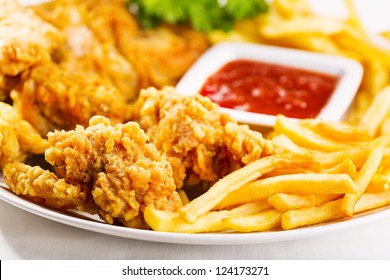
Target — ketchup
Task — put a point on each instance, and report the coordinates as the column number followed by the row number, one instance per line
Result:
column 269, row 89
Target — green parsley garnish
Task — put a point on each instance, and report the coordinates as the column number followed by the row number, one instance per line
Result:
column 202, row 15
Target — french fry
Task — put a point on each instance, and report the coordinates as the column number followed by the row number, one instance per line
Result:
column 290, row 184
column 357, row 155
column 264, row 221
column 284, row 202
column 369, row 201
column 337, row 130
column 239, row 178
column 377, row 112
column 160, row 220
column 331, row 210
column 385, row 127
column 345, row 167
column 284, row 144
column 354, row 19
column 276, row 27
column 290, row 8
column 183, row 197
column 312, row 215
column 386, row 35
column 362, row 180
column 379, row 183
column 306, row 137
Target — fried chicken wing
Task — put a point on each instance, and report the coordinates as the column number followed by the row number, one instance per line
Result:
column 126, row 172
column 195, row 137
column 18, row 138
column 53, row 96
column 43, row 187
column 25, row 39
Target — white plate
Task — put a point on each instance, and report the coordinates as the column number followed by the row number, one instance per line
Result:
column 95, row 224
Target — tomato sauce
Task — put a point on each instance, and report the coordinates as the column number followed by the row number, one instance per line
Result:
column 269, row 89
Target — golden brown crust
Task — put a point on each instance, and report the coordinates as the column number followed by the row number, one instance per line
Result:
column 25, row 39
column 18, row 138
column 195, row 136
column 125, row 171
column 43, row 187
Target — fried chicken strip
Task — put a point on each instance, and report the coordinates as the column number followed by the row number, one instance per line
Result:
column 43, row 187
column 53, row 96
column 126, row 172
column 25, row 39
column 18, row 138
column 195, row 137
column 83, row 50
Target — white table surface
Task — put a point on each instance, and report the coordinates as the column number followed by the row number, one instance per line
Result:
column 26, row 236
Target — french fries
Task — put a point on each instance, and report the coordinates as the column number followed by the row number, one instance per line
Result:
column 284, row 202
column 263, row 221
column 160, row 220
column 239, row 178
column 362, row 180
column 293, row 184
column 377, row 113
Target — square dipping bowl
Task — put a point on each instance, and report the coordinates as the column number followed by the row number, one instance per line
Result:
column 349, row 73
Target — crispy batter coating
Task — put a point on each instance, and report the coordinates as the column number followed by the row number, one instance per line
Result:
column 244, row 144
column 25, row 39
column 195, row 136
column 126, row 172
column 84, row 50
column 18, row 138
column 53, row 96
column 160, row 56
column 43, row 187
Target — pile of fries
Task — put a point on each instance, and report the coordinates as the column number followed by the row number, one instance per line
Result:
column 321, row 171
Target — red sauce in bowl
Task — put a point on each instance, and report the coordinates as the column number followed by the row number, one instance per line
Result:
column 269, row 89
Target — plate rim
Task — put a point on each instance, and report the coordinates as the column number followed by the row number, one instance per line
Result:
column 227, row 238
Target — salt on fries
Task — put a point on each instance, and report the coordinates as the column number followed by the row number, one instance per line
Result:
column 302, row 184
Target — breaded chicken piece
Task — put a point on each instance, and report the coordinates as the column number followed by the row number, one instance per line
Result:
column 53, row 96
column 43, row 187
column 162, row 55
column 83, row 50
column 25, row 39
column 195, row 137
column 126, row 172
column 159, row 56
column 18, row 138
column 84, row 53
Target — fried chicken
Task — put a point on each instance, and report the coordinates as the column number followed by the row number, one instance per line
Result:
column 18, row 138
column 162, row 55
column 195, row 137
column 25, row 39
column 159, row 56
column 43, row 187
column 53, row 96
column 124, row 171
column 83, row 50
